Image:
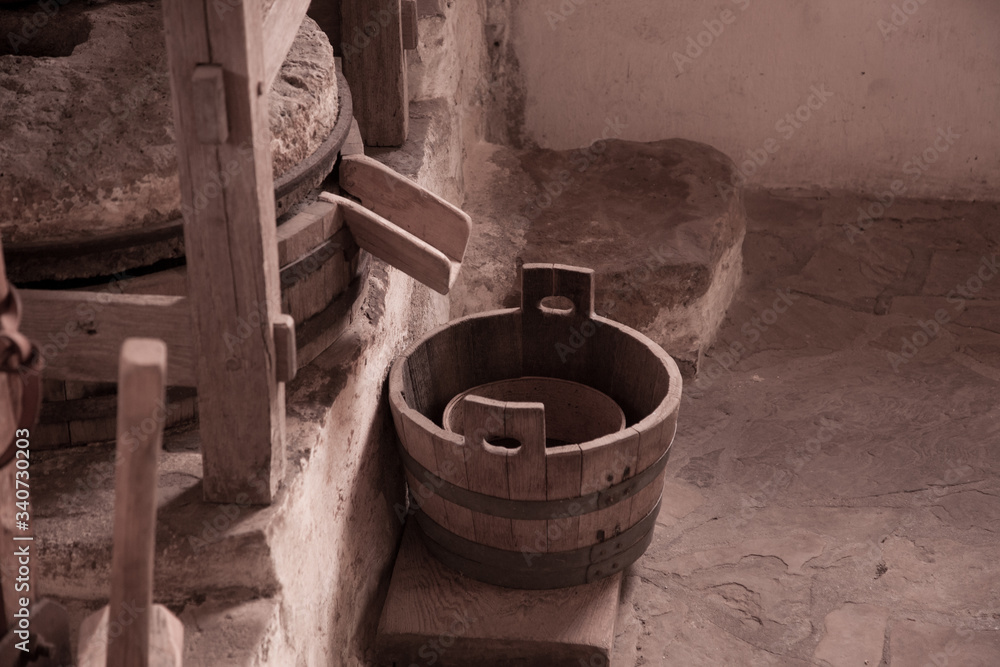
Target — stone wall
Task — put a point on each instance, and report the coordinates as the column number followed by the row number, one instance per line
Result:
column 735, row 74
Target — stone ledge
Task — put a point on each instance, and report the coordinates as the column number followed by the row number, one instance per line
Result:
column 659, row 223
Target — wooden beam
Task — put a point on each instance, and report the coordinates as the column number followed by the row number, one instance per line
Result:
column 375, row 68
column 227, row 194
column 80, row 334
column 281, row 25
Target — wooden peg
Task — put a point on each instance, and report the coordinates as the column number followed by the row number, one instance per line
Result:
column 284, row 348
column 209, row 95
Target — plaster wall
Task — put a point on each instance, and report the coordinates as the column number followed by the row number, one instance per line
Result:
column 729, row 72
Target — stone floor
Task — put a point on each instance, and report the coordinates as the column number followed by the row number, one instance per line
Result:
column 833, row 496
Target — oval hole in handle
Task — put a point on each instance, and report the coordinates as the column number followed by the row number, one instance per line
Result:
column 501, row 442
column 556, row 305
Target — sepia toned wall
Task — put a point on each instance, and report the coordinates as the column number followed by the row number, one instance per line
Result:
column 883, row 91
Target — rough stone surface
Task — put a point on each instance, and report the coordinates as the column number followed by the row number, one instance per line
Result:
column 88, row 138
column 649, row 218
column 827, row 503
column 854, row 635
column 926, row 644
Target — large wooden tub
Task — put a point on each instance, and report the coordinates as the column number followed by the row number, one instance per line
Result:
column 535, row 516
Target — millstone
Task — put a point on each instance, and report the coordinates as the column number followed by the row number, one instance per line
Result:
column 87, row 122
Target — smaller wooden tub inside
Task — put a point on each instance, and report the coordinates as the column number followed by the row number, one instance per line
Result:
column 532, row 516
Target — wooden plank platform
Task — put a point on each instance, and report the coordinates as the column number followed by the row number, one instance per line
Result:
column 433, row 615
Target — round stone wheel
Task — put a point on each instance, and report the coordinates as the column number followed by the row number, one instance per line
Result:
column 534, row 516
column 89, row 185
column 574, row 412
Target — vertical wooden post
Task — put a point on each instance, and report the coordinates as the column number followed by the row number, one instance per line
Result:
column 375, row 67
column 227, row 194
column 326, row 13
column 142, row 376
column 131, row 631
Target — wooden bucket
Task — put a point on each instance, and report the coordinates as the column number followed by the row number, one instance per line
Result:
column 574, row 412
column 535, row 516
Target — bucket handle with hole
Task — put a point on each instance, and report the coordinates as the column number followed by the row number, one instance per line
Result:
column 488, row 418
column 550, row 338
column 541, row 281
column 517, row 474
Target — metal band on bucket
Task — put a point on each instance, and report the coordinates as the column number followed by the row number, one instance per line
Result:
column 538, row 570
column 533, row 510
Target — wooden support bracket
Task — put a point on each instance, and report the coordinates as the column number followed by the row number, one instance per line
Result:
column 80, row 333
